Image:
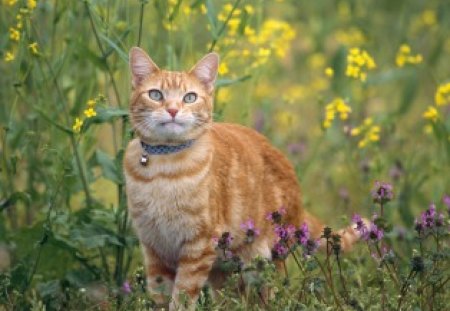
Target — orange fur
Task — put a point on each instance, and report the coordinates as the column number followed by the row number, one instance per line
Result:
column 180, row 201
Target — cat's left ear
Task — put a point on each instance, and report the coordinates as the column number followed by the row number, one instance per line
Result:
column 141, row 65
column 206, row 70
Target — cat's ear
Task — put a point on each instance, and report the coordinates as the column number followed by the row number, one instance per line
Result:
column 206, row 70
column 141, row 65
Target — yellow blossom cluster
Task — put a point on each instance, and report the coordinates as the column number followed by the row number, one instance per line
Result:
column 89, row 112
column 368, row 132
column 404, row 56
column 336, row 106
column 431, row 114
column 442, row 96
column 358, row 63
column 16, row 31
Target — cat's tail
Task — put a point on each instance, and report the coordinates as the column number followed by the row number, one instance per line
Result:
column 349, row 235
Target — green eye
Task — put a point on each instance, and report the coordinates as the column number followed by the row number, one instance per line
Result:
column 155, row 95
column 189, row 98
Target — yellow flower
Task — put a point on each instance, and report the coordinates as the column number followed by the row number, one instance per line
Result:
column 203, row 9
column 404, row 56
column 91, row 103
column 223, row 68
column 77, row 125
column 14, row 34
column 329, row 72
column 12, row 2
column 431, row 114
column 337, row 105
column 34, row 48
column 429, row 17
column 9, row 57
column 369, row 132
column 249, row 9
column 358, row 63
column 31, row 4
column 442, row 95
column 90, row 112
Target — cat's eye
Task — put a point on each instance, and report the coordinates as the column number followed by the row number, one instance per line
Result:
column 155, row 95
column 189, row 98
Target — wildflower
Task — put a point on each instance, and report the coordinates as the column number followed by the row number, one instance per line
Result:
column 126, row 288
column 404, row 56
column 9, row 57
column 310, row 247
column 34, row 48
column 224, row 241
column 284, row 232
column 31, row 4
column 431, row 114
column 382, row 192
column 279, row 251
column 77, row 125
column 14, row 34
column 275, row 217
column 12, row 2
column 371, row 132
column 327, row 233
column 302, row 234
column 329, row 72
column 446, row 201
column 223, row 68
column 360, row 225
column 374, row 234
column 358, row 63
column 337, row 105
column 250, row 231
column 442, row 95
column 90, row 112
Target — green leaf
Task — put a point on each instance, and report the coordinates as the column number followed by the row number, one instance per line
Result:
column 212, row 17
column 122, row 54
column 111, row 170
column 227, row 82
column 52, row 121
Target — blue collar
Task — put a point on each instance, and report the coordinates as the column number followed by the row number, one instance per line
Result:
column 166, row 149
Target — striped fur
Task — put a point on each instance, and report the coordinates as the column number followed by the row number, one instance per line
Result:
column 179, row 202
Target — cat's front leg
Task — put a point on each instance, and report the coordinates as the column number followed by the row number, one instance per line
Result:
column 195, row 262
column 160, row 278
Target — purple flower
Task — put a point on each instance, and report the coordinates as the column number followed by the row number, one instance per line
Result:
column 276, row 216
column 302, row 234
column 126, row 288
column 279, row 251
column 224, row 241
column 382, row 192
column 446, row 201
column 429, row 220
column 374, row 234
column 250, row 231
column 310, row 247
column 284, row 232
column 360, row 226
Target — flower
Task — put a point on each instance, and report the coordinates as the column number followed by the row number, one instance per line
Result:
column 250, row 231
column 310, row 247
column 31, row 4
column 14, row 34
column 9, row 57
column 446, row 201
column 404, row 56
column 284, row 232
column 337, row 105
column 77, row 125
column 12, row 2
column 374, row 233
column 358, row 63
column 302, row 234
column 371, row 132
column 382, row 192
column 223, row 68
column 224, row 242
column 442, row 95
column 33, row 48
column 329, row 72
column 431, row 114
column 275, row 217
column 126, row 288
column 279, row 251
column 360, row 225
column 90, row 112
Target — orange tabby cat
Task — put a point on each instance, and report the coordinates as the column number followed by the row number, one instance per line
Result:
column 189, row 179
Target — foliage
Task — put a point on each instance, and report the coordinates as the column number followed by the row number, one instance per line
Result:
column 352, row 91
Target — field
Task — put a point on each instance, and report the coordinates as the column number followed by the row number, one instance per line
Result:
column 355, row 92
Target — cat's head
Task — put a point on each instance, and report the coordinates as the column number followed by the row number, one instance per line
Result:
column 171, row 106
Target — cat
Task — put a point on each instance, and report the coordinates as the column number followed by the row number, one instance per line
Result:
column 189, row 179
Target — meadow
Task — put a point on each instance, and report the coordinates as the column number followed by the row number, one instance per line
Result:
column 355, row 92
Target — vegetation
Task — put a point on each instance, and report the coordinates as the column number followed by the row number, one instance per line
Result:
column 353, row 92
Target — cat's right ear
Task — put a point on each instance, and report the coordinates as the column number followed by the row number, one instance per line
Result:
column 141, row 66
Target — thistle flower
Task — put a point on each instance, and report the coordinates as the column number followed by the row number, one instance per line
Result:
column 284, row 232
column 302, row 234
column 310, row 247
column 275, row 217
column 382, row 192
column 250, row 231
column 280, row 251
column 224, row 241
column 374, row 233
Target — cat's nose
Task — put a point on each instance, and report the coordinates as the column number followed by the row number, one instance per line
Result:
column 172, row 112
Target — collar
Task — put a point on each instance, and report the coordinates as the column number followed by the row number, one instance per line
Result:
column 166, row 149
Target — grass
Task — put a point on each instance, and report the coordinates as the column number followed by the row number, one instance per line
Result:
column 65, row 238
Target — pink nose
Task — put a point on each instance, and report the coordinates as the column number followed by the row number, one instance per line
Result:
column 172, row 112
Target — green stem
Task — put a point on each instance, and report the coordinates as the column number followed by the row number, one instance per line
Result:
column 224, row 25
